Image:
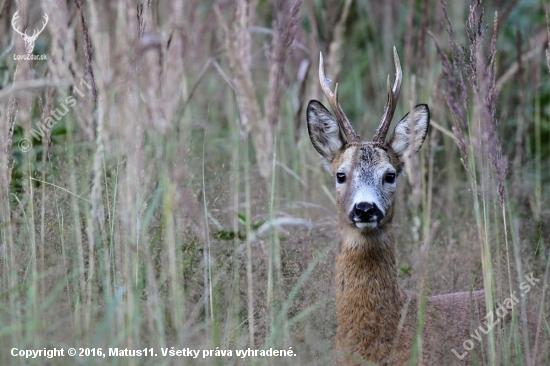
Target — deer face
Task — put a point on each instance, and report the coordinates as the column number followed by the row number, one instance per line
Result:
column 365, row 173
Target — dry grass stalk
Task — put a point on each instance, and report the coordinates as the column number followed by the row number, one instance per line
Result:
column 302, row 77
column 238, row 45
column 237, row 42
column 520, row 131
column 284, row 27
column 415, row 52
column 538, row 42
column 487, row 102
column 548, row 48
column 470, row 63
column 88, row 49
column 334, row 56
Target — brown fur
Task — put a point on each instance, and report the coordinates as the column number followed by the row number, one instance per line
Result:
column 378, row 322
column 370, row 304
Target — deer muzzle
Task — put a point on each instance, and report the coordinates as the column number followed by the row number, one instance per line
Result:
column 366, row 215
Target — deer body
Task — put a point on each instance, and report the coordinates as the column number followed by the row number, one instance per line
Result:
column 377, row 320
column 370, row 306
column 368, row 301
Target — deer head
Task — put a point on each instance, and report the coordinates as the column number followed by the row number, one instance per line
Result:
column 365, row 172
column 29, row 40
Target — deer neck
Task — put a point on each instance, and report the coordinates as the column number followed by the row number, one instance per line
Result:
column 368, row 297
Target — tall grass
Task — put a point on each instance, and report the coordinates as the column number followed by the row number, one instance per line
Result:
column 179, row 203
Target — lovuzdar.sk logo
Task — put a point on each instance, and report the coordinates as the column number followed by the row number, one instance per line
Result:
column 29, row 40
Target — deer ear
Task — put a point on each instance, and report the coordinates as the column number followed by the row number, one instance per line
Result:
column 324, row 131
column 405, row 143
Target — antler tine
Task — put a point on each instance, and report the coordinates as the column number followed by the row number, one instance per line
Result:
column 46, row 18
column 36, row 32
column 14, row 23
column 343, row 121
column 393, row 95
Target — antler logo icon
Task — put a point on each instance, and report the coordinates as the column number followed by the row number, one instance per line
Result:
column 29, row 40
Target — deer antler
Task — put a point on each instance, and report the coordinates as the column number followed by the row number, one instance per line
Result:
column 389, row 109
column 35, row 33
column 24, row 34
column 343, row 121
column 14, row 24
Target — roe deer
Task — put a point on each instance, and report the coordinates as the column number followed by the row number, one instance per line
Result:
column 377, row 320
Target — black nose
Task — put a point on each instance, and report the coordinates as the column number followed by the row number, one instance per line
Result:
column 365, row 211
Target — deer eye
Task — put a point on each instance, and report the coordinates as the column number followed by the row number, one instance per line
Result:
column 340, row 177
column 390, row 178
